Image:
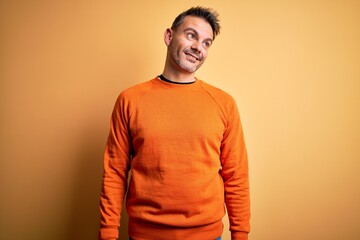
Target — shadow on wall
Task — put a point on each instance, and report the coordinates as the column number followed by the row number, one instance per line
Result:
column 84, row 216
column 84, row 208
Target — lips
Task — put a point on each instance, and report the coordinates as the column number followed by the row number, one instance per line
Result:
column 193, row 55
column 191, row 58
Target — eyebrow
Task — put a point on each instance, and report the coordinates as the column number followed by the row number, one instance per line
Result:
column 193, row 30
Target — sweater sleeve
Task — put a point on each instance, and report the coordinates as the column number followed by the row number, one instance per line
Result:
column 235, row 174
column 116, row 168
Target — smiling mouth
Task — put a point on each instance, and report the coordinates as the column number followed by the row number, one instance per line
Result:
column 192, row 58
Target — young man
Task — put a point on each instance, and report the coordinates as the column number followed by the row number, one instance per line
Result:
column 182, row 139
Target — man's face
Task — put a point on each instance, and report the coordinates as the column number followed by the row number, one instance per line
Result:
column 188, row 45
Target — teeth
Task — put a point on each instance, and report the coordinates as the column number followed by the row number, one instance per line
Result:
column 192, row 56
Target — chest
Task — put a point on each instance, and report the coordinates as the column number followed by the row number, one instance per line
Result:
column 175, row 118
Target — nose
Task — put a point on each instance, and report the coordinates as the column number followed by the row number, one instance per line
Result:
column 196, row 46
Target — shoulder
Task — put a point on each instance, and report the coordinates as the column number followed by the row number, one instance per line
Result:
column 128, row 99
column 225, row 102
column 136, row 91
column 221, row 97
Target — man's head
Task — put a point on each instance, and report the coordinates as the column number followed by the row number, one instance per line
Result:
column 190, row 38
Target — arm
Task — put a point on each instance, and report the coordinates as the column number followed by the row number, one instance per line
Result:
column 116, row 168
column 235, row 174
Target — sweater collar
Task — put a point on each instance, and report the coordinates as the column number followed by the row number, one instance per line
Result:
column 170, row 85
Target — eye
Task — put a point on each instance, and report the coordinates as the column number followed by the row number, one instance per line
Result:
column 207, row 44
column 190, row 36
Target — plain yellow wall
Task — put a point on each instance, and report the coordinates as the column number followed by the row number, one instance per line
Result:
column 292, row 66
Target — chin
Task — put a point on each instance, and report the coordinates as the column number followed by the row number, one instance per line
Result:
column 187, row 66
column 192, row 68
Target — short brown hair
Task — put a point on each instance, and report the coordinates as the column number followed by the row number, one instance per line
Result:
column 206, row 13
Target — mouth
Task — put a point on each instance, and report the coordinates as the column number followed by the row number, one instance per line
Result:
column 192, row 57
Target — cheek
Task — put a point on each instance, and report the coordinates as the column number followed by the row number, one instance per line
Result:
column 178, row 47
column 205, row 54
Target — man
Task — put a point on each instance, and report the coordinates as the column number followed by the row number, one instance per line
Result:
column 183, row 142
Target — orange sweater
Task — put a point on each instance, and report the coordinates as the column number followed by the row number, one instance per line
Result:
column 184, row 145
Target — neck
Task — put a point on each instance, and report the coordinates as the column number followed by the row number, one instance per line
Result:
column 174, row 73
column 180, row 77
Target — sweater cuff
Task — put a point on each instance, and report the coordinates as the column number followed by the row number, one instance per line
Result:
column 108, row 233
column 239, row 235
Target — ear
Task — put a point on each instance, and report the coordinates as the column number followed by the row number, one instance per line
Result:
column 168, row 34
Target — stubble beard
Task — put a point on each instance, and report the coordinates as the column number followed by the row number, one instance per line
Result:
column 184, row 63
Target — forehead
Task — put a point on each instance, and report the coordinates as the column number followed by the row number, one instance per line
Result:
column 200, row 25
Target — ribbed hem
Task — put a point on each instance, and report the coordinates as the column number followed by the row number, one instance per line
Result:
column 239, row 235
column 147, row 231
column 107, row 233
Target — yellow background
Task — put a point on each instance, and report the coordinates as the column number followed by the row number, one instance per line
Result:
column 292, row 66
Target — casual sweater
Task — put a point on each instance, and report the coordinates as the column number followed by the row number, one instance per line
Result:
column 185, row 148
